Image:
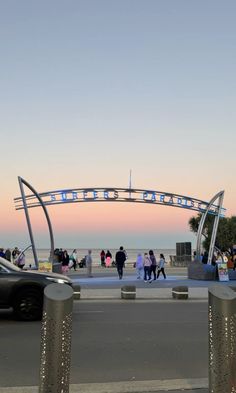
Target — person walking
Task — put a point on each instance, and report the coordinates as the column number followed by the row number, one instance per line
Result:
column 139, row 266
column 102, row 256
column 89, row 261
column 153, row 267
column 147, row 264
column 161, row 265
column 65, row 262
column 108, row 258
column 73, row 258
column 120, row 261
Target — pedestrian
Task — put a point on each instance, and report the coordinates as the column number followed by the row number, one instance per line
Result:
column 15, row 254
column 161, row 265
column 139, row 266
column 60, row 255
column 108, row 258
column 8, row 254
column 73, row 259
column 2, row 253
column 65, row 262
column 102, row 256
column 120, row 261
column 147, row 264
column 20, row 261
column 89, row 261
column 153, row 267
column 205, row 257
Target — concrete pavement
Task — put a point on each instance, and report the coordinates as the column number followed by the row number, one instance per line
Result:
column 108, row 287
column 142, row 294
column 159, row 386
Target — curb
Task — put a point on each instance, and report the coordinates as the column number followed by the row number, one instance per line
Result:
column 157, row 294
column 124, row 387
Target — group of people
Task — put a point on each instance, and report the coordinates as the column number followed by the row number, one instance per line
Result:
column 16, row 256
column 148, row 268
column 120, row 259
column 106, row 258
column 67, row 261
column 219, row 257
column 146, row 265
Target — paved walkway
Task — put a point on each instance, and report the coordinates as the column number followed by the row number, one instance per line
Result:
column 174, row 385
column 109, row 286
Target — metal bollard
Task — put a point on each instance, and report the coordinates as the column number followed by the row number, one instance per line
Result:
column 56, row 333
column 180, row 292
column 128, row 292
column 77, row 291
column 222, row 340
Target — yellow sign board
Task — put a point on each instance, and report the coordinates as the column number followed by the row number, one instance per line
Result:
column 45, row 266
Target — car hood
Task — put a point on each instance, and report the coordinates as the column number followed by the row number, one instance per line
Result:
column 53, row 275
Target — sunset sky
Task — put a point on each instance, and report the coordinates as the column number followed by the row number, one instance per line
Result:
column 91, row 89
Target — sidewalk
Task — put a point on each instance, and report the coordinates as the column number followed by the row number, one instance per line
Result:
column 159, row 386
column 141, row 294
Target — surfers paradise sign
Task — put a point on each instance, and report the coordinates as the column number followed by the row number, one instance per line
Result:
column 98, row 194
column 110, row 194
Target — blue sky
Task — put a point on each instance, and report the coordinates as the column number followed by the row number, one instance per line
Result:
column 90, row 89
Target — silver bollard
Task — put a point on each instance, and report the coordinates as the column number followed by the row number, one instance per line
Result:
column 128, row 292
column 56, row 334
column 222, row 340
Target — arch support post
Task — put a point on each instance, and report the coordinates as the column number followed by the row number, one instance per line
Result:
column 215, row 227
column 219, row 195
column 21, row 182
column 28, row 222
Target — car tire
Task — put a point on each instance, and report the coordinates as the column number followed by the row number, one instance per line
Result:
column 28, row 305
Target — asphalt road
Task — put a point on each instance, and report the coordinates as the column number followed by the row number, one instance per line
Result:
column 115, row 341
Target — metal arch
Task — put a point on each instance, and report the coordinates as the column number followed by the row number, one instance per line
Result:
column 110, row 194
column 219, row 195
column 21, row 182
column 101, row 194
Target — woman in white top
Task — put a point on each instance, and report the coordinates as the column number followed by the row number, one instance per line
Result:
column 161, row 265
column 139, row 266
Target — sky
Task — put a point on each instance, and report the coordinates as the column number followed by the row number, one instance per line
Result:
column 91, row 89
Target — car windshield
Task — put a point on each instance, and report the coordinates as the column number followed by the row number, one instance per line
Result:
column 8, row 265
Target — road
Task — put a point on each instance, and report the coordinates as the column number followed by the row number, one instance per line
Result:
column 115, row 341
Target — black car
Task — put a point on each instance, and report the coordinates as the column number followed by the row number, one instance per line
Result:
column 23, row 290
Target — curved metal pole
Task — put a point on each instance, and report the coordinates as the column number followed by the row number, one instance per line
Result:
column 215, row 227
column 24, row 250
column 202, row 221
column 47, row 218
column 28, row 221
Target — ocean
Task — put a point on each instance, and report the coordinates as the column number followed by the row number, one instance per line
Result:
column 43, row 254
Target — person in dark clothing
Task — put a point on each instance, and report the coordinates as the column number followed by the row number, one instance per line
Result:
column 153, row 267
column 205, row 257
column 65, row 262
column 102, row 256
column 120, row 261
column 8, row 254
column 2, row 253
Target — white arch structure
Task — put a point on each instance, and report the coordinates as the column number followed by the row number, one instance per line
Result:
column 111, row 194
